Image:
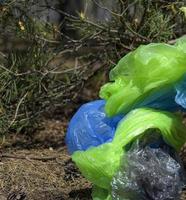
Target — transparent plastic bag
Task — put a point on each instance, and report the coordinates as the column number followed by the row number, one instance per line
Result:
column 149, row 173
column 147, row 74
column 90, row 127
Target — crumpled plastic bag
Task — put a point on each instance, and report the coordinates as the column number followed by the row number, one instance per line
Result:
column 153, row 72
column 100, row 194
column 90, row 127
column 149, row 173
column 99, row 164
column 152, row 76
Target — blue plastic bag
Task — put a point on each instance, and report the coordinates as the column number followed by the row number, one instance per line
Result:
column 90, row 127
column 169, row 99
column 180, row 97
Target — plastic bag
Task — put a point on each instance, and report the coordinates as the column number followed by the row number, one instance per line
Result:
column 90, row 127
column 99, row 164
column 149, row 72
column 148, row 173
column 100, row 194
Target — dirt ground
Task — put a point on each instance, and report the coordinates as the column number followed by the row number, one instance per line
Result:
column 39, row 167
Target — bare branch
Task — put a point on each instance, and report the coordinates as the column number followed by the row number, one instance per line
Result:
column 17, row 109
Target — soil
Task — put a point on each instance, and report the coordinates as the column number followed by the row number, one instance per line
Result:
column 38, row 167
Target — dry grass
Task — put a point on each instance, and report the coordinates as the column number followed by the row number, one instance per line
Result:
column 38, row 179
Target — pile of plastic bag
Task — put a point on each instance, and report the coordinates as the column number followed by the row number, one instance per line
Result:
column 126, row 144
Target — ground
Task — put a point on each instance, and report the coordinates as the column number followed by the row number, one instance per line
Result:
column 39, row 167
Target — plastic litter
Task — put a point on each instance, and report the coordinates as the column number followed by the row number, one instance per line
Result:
column 100, row 194
column 149, row 173
column 99, row 164
column 148, row 73
column 105, row 133
column 90, row 127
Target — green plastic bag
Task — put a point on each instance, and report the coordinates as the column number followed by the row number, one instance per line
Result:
column 99, row 164
column 100, row 194
column 147, row 70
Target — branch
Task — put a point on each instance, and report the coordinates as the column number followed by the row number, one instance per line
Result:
column 3, row 55
column 107, row 9
column 17, row 109
column 23, row 157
